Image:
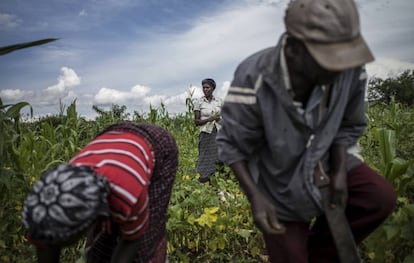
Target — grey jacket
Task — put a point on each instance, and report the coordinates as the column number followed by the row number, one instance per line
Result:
column 260, row 124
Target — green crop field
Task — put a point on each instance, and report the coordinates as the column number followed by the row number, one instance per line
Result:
column 206, row 222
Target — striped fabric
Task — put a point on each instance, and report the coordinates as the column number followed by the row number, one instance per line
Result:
column 126, row 160
column 151, row 246
column 240, row 95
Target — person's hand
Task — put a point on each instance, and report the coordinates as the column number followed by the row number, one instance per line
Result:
column 215, row 117
column 264, row 215
column 339, row 189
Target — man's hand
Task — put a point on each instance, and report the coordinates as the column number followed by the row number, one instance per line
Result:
column 338, row 176
column 339, row 189
column 264, row 212
column 264, row 215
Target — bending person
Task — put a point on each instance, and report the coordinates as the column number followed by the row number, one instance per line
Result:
column 116, row 190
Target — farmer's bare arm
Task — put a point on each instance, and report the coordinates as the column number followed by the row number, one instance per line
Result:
column 264, row 212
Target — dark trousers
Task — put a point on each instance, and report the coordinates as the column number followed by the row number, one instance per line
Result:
column 370, row 200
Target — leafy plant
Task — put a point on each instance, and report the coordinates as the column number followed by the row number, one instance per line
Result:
column 206, row 222
column 401, row 88
column 389, row 128
column 7, row 49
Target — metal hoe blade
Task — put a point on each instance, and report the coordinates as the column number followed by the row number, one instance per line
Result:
column 337, row 221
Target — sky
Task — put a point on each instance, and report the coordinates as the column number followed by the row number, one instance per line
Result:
column 143, row 52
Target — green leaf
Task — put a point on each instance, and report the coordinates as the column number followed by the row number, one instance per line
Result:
column 386, row 139
column 409, row 210
column 391, row 231
column 407, row 231
column 244, row 233
column 398, row 167
column 7, row 49
column 14, row 110
column 403, row 200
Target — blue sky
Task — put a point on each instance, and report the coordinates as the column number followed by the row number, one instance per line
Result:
column 141, row 52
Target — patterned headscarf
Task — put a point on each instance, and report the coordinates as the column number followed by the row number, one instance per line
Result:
column 209, row 82
column 64, row 202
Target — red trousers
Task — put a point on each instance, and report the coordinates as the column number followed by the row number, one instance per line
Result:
column 371, row 199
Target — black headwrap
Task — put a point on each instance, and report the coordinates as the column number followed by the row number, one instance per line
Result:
column 209, row 82
column 64, row 202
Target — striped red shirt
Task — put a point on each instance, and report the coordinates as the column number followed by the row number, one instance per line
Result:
column 126, row 160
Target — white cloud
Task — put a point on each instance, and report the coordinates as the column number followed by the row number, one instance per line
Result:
column 113, row 96
column 388, row 68
column 63, row 90
column 213, row 44
column 15, row 95
column 9, row 21
column 110, row 96
column 68, row 80
column 222, row 91
column 139, row 91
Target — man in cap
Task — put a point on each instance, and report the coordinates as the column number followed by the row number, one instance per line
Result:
column 292, row 107
column 117, row 188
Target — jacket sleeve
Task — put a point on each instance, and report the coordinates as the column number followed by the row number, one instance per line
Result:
column 241, row 133
column 353, row 122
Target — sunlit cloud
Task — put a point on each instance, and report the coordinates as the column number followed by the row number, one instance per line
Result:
column 69, row 79
column 114, row 96
column 62, row 90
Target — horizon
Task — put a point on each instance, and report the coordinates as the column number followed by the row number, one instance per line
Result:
column 140, row 53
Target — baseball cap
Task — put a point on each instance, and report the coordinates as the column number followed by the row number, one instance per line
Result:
column 331, row 32
column 64, row 202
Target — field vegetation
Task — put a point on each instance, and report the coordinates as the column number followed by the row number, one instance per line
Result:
column 207, row 222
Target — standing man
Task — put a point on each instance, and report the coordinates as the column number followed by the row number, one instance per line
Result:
column 117, row 189
column 291, row 107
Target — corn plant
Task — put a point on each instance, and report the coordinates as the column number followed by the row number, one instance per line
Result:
column 206, row 222
column 390, row 126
